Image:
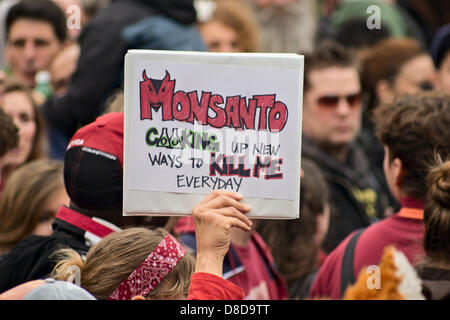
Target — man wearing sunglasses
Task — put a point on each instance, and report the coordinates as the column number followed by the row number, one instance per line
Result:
column 332, row 108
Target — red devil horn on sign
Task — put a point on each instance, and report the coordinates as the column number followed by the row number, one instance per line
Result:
column 167, row 76
column 144, row 75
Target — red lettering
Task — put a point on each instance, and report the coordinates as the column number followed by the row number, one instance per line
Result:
column 247, row 114
column 221, row 117
column 159, row 94
column 278, row 117
column 263, row 103
column 181, row 106
column 232, row 110
column 199, row 111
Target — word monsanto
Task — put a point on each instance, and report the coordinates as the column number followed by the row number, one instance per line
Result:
column 261, row 112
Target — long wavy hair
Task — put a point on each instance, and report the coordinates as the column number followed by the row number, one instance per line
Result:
column 292, row 242
column 22, row 202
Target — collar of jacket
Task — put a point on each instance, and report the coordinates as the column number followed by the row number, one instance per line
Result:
column 92, row 229
column 354, row 169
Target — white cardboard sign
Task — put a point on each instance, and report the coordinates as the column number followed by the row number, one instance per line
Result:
column 197, row 122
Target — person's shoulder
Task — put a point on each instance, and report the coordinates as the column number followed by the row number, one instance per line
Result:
column 31, row 243
column 384, row 227
column 38, row 246
column 30, row 249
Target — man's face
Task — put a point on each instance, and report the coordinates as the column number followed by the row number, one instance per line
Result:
column 443, row 75
column 332, row 106
column 31, row 47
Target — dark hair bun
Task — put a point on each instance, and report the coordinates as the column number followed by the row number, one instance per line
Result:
column 439, row 184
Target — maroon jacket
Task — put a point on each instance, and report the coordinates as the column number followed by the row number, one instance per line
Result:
column 404, row 230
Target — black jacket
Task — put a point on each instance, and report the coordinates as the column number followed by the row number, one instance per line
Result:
column 356, row 198
column 31, row 258
column 103, row 47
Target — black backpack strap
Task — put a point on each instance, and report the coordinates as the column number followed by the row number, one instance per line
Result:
column 347, row 274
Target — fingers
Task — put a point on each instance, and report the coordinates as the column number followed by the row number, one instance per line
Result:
column 223, row 201
column 218, row 193
column 226, row 204
column 232, row 212
column 235, row 222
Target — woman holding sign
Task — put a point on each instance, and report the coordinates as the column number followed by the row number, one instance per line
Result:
column 151, row 264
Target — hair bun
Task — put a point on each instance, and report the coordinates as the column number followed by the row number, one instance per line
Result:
column 439, row 184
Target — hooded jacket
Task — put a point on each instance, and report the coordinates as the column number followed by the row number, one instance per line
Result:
column 123, row 25
column 356, row 198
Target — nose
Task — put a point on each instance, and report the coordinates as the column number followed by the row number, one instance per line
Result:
column 29, row 51
column 343, row 108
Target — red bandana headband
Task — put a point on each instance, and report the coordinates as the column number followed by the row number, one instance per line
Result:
column 151, row 271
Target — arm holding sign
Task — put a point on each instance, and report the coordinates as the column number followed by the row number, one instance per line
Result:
column 213, row 218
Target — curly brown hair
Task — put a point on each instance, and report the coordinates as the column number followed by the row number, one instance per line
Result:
column 415, row 128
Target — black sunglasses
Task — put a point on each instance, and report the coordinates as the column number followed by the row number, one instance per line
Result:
column 353, row 100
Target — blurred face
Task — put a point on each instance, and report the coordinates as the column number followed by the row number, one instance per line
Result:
column 219, row 38
column 31, row 46
column 48, row 214
column 19, row 107
column 322, row 224
column 416, row 75
column 443, row 75
column 332, row 106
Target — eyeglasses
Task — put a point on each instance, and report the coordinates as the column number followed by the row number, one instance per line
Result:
column 330, row 102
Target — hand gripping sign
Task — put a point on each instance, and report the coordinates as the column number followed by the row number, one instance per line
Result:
column 197, row 122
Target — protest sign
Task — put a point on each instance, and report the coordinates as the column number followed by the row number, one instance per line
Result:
column 197, row 122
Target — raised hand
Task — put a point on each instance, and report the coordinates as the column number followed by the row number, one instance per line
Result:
column 214, row 217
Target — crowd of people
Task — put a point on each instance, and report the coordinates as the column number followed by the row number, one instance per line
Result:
column 375, row 183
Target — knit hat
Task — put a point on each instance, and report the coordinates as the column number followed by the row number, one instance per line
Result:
column 392, row 18
column 93, row 164
column 440, row 45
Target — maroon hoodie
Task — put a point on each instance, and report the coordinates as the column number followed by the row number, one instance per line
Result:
column 404, row 230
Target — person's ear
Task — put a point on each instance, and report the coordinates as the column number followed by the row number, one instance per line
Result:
column 384, row 92
column 398, row 171
column 138, row 298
